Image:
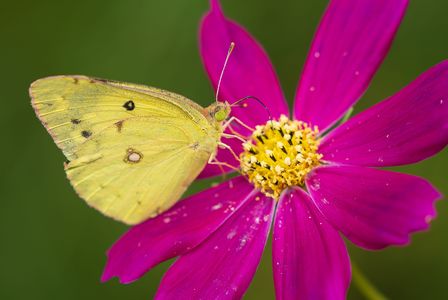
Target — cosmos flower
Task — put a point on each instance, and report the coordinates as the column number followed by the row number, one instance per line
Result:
column 311, row 176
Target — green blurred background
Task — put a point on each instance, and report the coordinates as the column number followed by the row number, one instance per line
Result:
column 53, row 246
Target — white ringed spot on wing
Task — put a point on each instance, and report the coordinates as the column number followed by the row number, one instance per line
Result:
column 132, row 156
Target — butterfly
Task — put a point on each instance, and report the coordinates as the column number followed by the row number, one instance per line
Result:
column 131, row 150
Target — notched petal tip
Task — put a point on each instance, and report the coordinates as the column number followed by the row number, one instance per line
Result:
column 373, row 208
column 215, row 6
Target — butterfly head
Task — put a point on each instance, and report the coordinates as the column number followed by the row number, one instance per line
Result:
column 219, row 111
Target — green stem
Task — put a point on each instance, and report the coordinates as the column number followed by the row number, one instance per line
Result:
column 347, row 115
column 367, row 289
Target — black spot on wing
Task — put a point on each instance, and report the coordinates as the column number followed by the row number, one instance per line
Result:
column 86, row 133
column 119, row 125
column 76, row 121
column 129, row 105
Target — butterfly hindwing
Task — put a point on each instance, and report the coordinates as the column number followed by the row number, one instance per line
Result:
column 144, row 177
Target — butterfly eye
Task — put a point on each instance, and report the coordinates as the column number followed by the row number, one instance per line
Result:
column 220, row 114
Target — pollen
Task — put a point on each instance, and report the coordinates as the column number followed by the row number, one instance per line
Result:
column 279, row 155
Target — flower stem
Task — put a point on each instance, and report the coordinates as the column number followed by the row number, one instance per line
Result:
column 367, row 289
column 347, row 115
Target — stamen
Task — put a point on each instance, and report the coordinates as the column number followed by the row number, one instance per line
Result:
column 280, row 154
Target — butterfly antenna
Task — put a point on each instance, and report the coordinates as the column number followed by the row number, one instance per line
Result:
column 236, row 103
column 232, row 45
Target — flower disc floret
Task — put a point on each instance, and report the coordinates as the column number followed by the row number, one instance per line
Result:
column 280, row 154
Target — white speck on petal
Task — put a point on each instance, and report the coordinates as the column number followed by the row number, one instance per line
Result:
column 166, row 220
column 315, row 184
column 243, row 242
column 217, row 206
column 317, row 54
column 231, row 235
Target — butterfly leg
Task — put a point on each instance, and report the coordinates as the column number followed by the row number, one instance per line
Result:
column 227, row 147
column 233, row 118
column 213, row 161
column 234, row 132
column 221, row 165
column 234, row 136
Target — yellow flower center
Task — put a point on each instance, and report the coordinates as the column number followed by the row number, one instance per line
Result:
column 279, row 155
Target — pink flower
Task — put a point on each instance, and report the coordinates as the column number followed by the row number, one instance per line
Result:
column 220, row 233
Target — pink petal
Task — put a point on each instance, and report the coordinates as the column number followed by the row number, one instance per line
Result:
column 174, row 232
column 310, row 260
column 373, row 208
column 223, row 266
column 406, row 128
column 248, row 73
column 352, row 40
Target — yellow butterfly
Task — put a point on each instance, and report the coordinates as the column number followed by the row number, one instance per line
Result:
column 132, row 150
